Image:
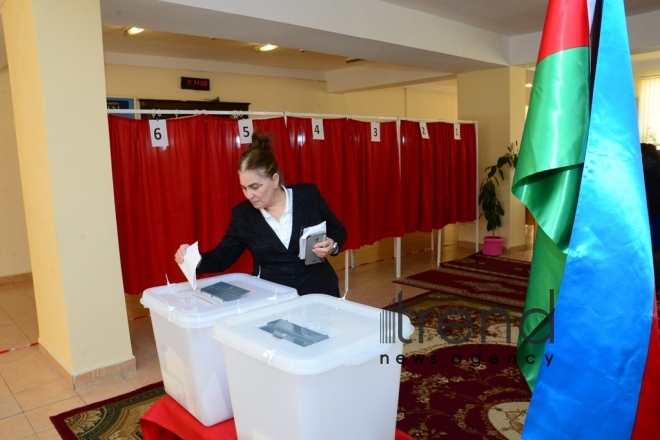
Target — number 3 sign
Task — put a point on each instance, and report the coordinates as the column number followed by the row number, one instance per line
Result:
column 158, row 130
column 375, row 132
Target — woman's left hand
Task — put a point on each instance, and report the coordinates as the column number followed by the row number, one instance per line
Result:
column 323, row 249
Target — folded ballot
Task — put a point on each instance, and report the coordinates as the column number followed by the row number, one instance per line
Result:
column 189, row 265
column 309, row 237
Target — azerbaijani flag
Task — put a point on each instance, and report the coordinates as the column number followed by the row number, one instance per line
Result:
column 547, row 178
column 604, row 376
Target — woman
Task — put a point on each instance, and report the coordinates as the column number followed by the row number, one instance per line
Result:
column 269, row 224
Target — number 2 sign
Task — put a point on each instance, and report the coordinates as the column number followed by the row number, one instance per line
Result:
column 424, row 130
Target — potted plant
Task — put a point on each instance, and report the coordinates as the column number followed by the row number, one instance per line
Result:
column 490, row 205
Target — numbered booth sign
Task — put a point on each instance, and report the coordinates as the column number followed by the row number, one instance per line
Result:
column 317, row 129
column 424, row 131
column 245, row 129
column 457, row 132
column 158, row 130
column 375, row 132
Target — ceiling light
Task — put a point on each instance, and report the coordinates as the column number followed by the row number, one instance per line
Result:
column 265, row 47
column 132, row 31
column 528, row 85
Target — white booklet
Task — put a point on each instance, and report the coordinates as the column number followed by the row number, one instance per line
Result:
column 308, row 238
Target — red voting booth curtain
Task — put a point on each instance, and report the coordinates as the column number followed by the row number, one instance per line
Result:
column 180, row 194
column 185, row 192
column 379, row 180
column 438, row 175
column 465, row 174
column 151, row 215
column 329, row 164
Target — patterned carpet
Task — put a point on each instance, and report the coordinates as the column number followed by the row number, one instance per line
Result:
column 113, row 419
column 471, row 390
column 491, row 279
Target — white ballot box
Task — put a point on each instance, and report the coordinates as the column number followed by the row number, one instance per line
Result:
column 314, row 368
column 191, row 362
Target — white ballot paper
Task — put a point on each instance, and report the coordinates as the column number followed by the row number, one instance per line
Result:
column 312, row 230
column 189, row 265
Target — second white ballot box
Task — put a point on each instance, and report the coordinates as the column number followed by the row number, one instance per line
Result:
column 314, row 368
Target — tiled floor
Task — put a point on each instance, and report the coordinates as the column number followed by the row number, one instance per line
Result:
column 31, row 390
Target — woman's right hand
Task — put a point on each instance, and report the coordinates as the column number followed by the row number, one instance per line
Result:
column 181, row 253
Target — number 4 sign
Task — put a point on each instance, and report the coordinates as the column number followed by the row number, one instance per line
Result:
column 245, row 128
column 317, row 129
column 158, row 130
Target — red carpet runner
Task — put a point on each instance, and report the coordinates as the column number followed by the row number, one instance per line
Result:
column 494, row 280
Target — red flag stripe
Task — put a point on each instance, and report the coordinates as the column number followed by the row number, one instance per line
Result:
column 566, row 26
column 647, row 421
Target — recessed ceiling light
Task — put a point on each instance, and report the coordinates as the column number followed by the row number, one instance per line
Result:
column 265, row 47
column 132, row 31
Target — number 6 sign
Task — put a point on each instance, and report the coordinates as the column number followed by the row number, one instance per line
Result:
column 158, row 130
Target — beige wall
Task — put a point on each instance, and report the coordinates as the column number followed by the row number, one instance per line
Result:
column 14, row 254
column 279, row 94
column 496, row 98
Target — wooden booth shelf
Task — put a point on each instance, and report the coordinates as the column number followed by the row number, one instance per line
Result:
column 171, row 105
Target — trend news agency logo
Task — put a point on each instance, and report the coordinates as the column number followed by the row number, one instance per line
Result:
column 391, row 323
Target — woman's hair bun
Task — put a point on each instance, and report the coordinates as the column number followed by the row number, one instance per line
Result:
column 260, row 142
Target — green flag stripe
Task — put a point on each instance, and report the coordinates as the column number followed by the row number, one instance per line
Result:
column 547, row 181
column 544, row 280
column 558, row 108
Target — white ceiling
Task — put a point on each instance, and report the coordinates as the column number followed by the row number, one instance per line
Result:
column 350, row 44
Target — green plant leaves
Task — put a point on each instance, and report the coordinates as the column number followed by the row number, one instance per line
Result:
column 491, row 207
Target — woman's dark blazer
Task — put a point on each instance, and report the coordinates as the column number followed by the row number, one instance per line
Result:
column 272, row 261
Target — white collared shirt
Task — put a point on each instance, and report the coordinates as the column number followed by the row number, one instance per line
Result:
column 283, row 227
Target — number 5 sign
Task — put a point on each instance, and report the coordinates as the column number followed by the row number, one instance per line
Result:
column 245, row 128
column 158, row 130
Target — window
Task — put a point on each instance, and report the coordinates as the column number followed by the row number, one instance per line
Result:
column 649, row 110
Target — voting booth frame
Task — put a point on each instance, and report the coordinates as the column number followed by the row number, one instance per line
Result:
column 175, row 180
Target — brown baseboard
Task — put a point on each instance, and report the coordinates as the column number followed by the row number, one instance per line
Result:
column 18, row 278
column 505, row 250
column 91, row 377
column 516, row 249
